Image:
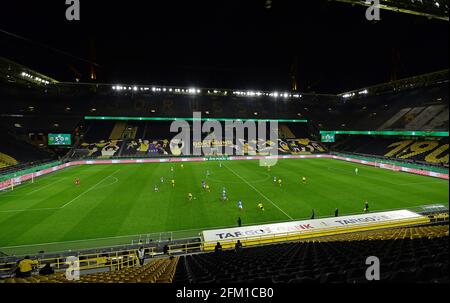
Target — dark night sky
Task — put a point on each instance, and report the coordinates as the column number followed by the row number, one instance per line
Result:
column 231, row 44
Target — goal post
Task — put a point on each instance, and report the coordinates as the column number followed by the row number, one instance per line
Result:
column 14, row 182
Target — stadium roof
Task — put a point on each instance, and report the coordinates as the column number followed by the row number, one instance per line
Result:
column 437, row 9
column 326, row 46
column 15, row 73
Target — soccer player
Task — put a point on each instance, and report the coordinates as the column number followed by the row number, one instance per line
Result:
column 220, row 164
column 268, row 168
column 280, row 182
column 156, row 188
column 182, row 165
column 162, row 179
column 77, row 181
column 261, row 206
column 190, row 196
column 304, row 180
column 173, row 183
column 366, row 207
column 224, row 196
column 207, row 173
column 275, row 180
column 356, row 171
column 203, row 184
column 207, row 188
column 224, row 190
column 171, row 169
column 240, row 206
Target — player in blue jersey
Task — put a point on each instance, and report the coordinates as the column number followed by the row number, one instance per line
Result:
column 224, row 196
column 203, row 184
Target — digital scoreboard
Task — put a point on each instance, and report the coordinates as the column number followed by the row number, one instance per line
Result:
column 328, row 137
column 59, row 139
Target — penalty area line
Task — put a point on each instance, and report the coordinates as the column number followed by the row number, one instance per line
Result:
column 45, row 186
column 68, row 203
column 89, row 189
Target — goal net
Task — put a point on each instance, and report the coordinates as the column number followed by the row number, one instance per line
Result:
column 11, row 184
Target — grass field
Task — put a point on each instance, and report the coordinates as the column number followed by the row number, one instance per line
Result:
column 115, row 204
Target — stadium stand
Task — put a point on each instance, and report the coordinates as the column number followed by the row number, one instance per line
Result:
column 424, row 108
column 426, row 151
column 105, row 139
column 164, row 147
column 155, row 271
column 14, row 152
column 6, row 161
column 432, row 231
column 417, row 253
column 419, row 257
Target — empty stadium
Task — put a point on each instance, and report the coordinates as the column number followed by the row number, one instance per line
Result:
column 96, row 186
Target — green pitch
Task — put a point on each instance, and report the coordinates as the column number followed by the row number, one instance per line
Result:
column 117, row 204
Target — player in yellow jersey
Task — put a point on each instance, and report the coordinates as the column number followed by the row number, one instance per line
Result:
column 207, row 188
column 173, row 183
column 190, row 196
column 280, row 182
column 261, row 206
column 304, row 180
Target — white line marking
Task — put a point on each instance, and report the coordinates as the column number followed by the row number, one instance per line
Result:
column 36, row 190
column 73, row 200
column 38, row 179
column 30, row 209
column 107, row 185
column 89, row 189
column 255, row 189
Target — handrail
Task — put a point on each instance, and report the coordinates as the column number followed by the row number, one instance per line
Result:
column 106, row 258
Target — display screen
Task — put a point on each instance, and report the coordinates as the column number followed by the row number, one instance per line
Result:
column 328, row 137
column 59, row 139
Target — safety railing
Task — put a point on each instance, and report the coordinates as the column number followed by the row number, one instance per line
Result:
column 119, row 243
column 112, row 260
